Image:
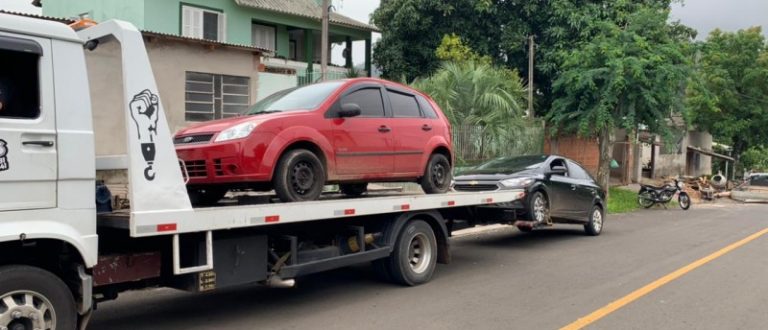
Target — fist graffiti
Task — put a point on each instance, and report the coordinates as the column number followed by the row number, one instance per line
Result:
column 144, row 111
column 3, row 149
column 145, row 114
column 3, row 153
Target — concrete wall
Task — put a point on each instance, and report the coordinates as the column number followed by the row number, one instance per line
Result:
column 270, row 83
column 701, row 140
column 170, row 60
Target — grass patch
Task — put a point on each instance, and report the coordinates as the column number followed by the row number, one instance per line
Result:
column 621, row 200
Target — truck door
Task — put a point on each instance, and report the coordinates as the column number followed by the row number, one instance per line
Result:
column 28, row 160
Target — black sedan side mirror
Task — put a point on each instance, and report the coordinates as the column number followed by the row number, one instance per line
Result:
column 558, row 170
column 349, row 110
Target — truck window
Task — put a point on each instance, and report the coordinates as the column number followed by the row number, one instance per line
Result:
column 19, row 79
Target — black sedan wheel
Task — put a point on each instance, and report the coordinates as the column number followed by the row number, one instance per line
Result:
column 595, row 225
column 539, row 208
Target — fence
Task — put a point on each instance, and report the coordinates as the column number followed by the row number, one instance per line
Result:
column 475, row 144
column 310, row 77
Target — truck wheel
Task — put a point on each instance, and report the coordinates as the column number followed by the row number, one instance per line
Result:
column 414, row 257
column 595, row 225
column 206, row 196
column 437, row 175
column 353, row 189
column 300, row 176
column 32, row 298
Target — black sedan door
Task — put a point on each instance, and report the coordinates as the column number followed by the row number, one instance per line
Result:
column 585, row 192
column 560, row 199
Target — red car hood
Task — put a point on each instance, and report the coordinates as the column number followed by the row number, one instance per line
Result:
column 216, row 126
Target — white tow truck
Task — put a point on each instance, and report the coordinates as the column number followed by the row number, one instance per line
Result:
column 59, row 258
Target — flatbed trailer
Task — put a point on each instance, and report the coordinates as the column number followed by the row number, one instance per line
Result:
column 59, row 258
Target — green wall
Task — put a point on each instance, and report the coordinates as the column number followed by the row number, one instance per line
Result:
column 101, row 10
column 165, row 16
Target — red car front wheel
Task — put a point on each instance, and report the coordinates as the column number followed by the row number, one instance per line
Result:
column 300, row 176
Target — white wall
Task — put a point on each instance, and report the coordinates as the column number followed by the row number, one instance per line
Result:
column 270, row 83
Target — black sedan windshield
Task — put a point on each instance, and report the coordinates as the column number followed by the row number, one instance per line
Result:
column 511, row 164
column 299, row 98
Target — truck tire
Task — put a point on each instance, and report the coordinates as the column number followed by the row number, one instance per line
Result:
column 353, row 189
column 52, row 305
column 414, row 257
column 437, row 175
column 299, row 176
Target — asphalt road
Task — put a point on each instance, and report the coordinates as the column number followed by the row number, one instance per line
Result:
column 504, row 279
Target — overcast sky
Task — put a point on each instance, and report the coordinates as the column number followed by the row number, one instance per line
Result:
column 703, row 15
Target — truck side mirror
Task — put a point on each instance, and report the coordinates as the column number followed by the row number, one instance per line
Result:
column 349, row 110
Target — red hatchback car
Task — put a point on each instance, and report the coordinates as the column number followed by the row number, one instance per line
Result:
column 295, row 141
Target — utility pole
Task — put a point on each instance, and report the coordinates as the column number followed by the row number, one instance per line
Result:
column 324, row 42
column 530, row 75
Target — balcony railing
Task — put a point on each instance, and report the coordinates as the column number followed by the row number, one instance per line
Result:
column 305, row 77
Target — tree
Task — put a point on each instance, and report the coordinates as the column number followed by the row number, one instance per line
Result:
column 633, row 71
column 413, row 29
column 730, row 95
column 478, row 95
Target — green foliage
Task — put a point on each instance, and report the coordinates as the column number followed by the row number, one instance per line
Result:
column 352, row 72
column 630, row 73
column 755, row 159
column 483, row 102
column 621, row 200
column 453, row 49
column 627, row 75
column 729, row 96
column 413, row 29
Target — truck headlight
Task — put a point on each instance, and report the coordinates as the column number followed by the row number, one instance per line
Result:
column 238, row 131
column 517, row 182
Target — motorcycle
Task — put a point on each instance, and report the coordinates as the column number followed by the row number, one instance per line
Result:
column 649, row 196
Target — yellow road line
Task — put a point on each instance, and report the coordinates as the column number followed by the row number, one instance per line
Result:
column 617, row 304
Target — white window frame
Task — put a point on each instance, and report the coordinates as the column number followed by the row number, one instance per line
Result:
column 271, row 43
column 192, row 22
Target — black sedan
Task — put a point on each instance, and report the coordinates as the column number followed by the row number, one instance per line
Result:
column 558, row 190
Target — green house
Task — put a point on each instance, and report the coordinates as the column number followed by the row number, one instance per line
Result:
column 289, row 30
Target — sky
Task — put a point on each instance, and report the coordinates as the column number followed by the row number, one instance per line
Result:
column 703, row 15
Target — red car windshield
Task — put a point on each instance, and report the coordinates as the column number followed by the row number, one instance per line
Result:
column 300, row 98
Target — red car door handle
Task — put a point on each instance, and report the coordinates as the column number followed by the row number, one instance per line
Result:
column 384, row 129
column 426, row 127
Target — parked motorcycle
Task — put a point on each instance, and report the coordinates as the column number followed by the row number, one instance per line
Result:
column 651, row 195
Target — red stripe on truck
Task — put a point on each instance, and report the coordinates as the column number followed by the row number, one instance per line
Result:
column 166, row 227
column 349, row 212
column 272, row 218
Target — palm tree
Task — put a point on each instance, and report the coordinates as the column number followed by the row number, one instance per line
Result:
column 485, row 105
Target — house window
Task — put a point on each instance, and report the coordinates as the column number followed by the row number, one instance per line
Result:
column 203, row 24
column 263, row 36
column 214, row 96
column 19, row 85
